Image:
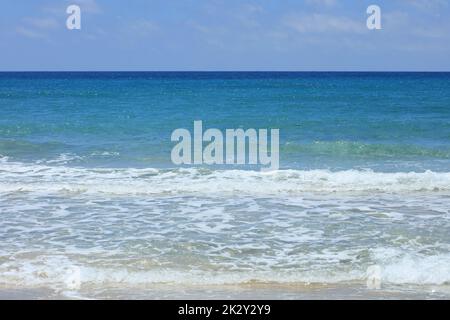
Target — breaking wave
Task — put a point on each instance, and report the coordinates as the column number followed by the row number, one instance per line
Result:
column 23, row 177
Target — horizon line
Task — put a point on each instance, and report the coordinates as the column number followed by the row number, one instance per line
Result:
column 233, row 71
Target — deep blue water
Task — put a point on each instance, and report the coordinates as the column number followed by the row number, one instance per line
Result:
column 383, row 121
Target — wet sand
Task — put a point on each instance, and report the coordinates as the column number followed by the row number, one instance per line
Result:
column 245, row 292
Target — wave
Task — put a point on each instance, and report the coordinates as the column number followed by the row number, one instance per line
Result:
column 57, row 270
column 23, row 177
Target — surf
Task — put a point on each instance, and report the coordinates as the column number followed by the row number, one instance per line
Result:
column 41, row 178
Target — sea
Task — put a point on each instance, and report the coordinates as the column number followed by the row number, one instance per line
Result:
column 92, row 207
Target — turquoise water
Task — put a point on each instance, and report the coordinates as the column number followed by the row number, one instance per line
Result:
column 386, row 121
column 86, row 180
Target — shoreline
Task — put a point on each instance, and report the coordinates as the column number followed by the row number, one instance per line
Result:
column 355, row 291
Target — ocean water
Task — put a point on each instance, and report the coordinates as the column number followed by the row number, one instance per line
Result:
column 91, row 205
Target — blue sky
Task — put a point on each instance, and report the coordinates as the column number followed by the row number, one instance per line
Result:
column 225, row 35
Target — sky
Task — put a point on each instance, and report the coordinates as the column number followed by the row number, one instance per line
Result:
column 228, row 35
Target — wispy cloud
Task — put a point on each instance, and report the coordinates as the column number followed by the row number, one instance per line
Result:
column 401, row 23
column 324, row 23
column 428, row 4
column 253, row 8
column 87, row 6
column 206, row 29
column 37, row 28
column 431, row 32
column 54, row 18
column 396, row 21
column 322, row 3
column 30, row 33
column 144, row 27
column 42, row 23
column 248, row 14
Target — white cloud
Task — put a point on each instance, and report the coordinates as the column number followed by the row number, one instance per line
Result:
column 396, row 20
column 323, row 23
column 30, row 33
column 42, row 23
column 88, row 6
column 253, row 8
column 144, row 27
column 207, row 29
column 402, row 23
column 431, row 32
column 322, row 3
column 428, row 4
column 37, row 28
column 248, row 15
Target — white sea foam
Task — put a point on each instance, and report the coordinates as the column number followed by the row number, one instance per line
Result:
column 412, row 268
column 54, row 270
column 63, row 158
column 139, row 227
column 20, row 177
